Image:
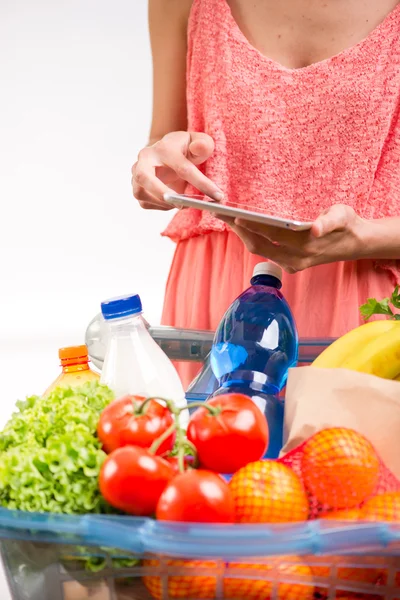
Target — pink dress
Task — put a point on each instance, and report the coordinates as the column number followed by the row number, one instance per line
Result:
column 291, row 142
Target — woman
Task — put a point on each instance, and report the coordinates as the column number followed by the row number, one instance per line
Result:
column 292, row 107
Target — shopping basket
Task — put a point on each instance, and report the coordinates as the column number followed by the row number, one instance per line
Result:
column 96, row 557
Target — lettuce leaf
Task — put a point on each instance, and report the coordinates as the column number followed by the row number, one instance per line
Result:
column 50, row 456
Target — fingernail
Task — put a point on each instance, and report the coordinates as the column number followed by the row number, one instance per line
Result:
column 318, row 232
column 218, row 196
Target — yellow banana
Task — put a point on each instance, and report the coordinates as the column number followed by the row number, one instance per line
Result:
column 351, row 343
column 397, row 378
column 379, row 357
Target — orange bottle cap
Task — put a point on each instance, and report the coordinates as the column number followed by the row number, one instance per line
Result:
column 73, row 353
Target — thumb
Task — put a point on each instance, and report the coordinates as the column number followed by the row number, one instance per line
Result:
column 200, row 148
column 332, row 219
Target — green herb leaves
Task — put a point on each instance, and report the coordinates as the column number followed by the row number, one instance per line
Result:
column 383, row 307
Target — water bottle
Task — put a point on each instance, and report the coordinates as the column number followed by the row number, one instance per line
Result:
column 134, row 363
column 203, row 385
column 255, row 345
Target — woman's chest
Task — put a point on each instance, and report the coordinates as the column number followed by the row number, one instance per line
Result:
column 298, row 33
column 348, row 97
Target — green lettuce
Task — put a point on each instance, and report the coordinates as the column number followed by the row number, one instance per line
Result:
column 50, row 456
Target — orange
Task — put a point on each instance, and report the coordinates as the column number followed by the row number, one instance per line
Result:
column 268, row 492
column 383, row 507
column 276, row 582
column 348, row 571
column 184, row 584
column 261, row 583
column 351, row 514
column 340, row 467
column 283, row 578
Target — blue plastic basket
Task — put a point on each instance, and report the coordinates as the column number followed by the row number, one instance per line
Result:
column 46, row 556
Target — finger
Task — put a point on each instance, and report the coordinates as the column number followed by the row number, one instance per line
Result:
column 187, row 171
column 201, row 147
column 197, row 146
column 288, row 259
column 335, row 218
column 147, row 200
column 150, row 203
column 144, row 176
column 260, row 245
column 284, row 237
column 228, row 220
column 153, row 206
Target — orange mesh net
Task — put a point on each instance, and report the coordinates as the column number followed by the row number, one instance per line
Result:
column 341, row 471
column 275, row 578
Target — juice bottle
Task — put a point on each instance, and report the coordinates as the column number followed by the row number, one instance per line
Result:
column 75, row 368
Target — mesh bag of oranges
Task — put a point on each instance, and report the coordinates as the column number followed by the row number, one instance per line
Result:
column 341, row 471
column 282, row 577
column 336, row 476
column 345, row 480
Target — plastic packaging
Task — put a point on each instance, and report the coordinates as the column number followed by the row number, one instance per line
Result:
column 75, row 368
column 255, row 345
column 134, row 363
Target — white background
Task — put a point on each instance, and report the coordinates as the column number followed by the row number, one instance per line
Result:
column 75, row 107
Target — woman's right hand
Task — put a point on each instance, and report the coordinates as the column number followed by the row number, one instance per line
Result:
column 170, row 164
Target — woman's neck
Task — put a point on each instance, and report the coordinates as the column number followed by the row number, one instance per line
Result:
column 297, row 33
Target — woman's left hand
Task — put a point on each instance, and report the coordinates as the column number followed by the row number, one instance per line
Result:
column 337, row 234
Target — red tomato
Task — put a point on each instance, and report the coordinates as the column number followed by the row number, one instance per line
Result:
column 196, row 496
column 234, row 436
column 122, row 423
column 132, row 480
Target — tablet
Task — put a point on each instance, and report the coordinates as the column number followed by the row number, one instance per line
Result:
column 204, row 203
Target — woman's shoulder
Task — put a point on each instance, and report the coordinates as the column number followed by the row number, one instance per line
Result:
column 171, row 9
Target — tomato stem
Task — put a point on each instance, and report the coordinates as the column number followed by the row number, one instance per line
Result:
column 182, row 442
column 141, row 409
column 213, row 410
column 160, row 440
column 181, row 452
column 193, row 450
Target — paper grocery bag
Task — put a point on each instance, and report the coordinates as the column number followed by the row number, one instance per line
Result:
column 320, row 398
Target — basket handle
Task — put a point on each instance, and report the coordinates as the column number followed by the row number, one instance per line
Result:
column 314, row 537
column 147, row 536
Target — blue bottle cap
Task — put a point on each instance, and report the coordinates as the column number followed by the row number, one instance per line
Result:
column 123, row 306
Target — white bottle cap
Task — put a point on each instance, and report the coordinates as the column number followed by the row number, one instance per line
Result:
column 268, row 268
